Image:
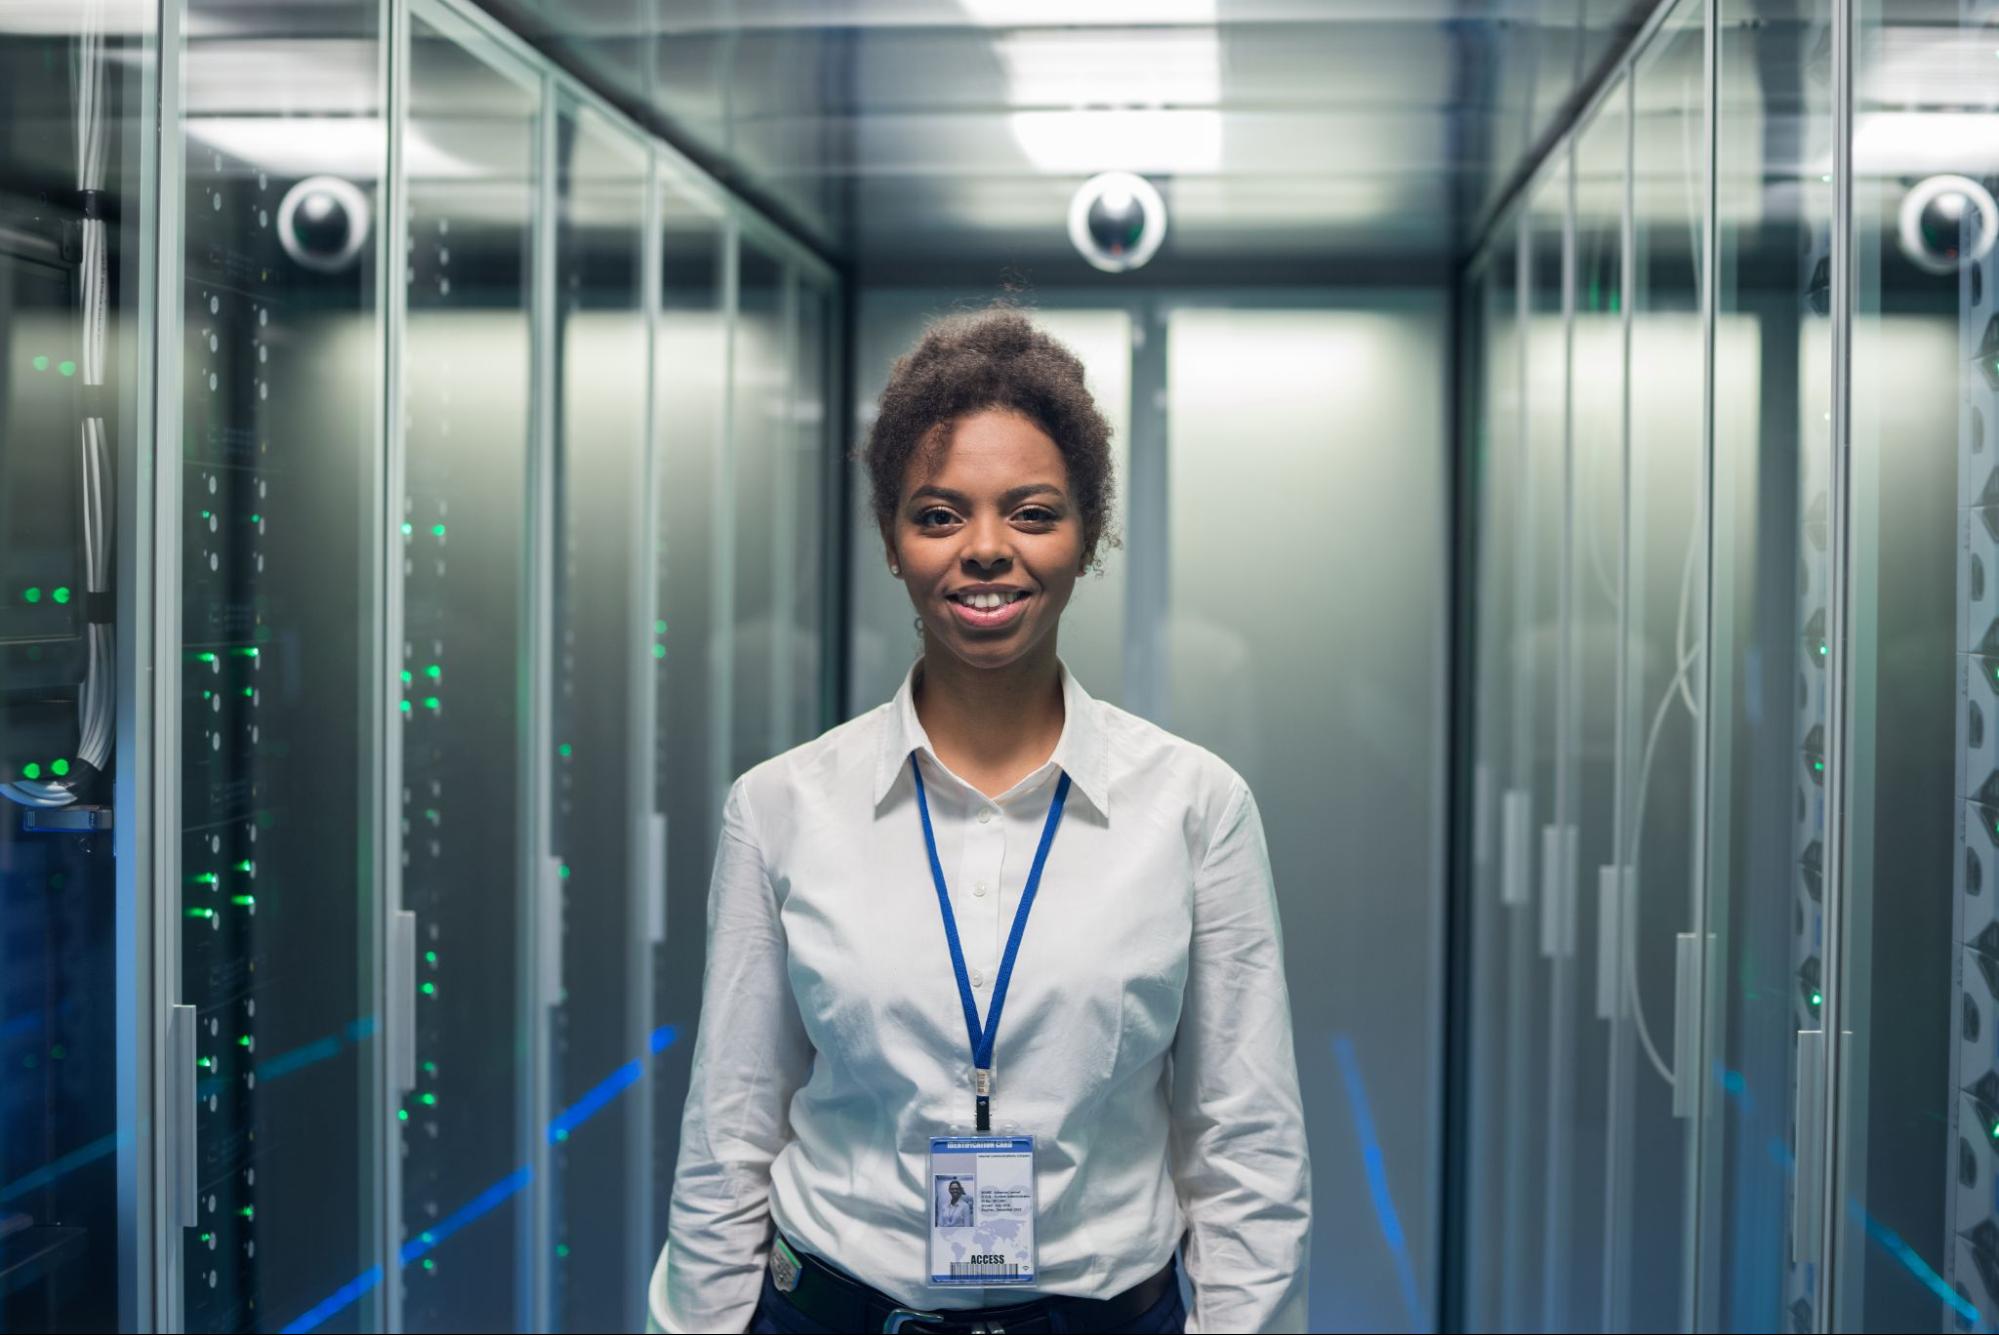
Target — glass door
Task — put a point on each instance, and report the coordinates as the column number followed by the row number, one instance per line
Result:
column 76, row 1010
column 278, row 482
column 462, row 653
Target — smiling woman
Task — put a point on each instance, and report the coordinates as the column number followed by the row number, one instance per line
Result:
column 1148, row 1116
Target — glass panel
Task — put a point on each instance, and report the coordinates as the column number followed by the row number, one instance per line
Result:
column 601, row 662
column 812, row 457
column 68, row 429
column 281, row 393
column 1766, row 734
column 1495, row 475
column 690, row 369
column 1917, row 1242
column 1653, row 1053
column 1276, row 422
column 467, row 364
column 1584, row 970
column 760, row 388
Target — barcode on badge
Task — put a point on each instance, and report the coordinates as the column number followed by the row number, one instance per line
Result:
column 985, row 1270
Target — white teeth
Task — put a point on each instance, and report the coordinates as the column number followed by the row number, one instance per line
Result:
column 989, row 601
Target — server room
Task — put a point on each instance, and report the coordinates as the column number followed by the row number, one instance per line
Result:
column 1552, row 466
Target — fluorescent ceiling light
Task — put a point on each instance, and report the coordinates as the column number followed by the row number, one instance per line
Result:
column 1091, row 13
column 354, row 148
column 1144, row 141
column 1923, row 143
column 1111, row 69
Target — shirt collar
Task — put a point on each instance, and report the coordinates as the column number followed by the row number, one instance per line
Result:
column 1082, row 752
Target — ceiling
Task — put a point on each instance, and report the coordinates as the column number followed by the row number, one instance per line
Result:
column 920, row 138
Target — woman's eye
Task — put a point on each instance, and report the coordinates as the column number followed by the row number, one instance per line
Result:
column 935, row 518
column 1035, row 514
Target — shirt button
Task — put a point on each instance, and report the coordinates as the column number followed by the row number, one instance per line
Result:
column 985, row 815
column 979, row 890
column 978, row 979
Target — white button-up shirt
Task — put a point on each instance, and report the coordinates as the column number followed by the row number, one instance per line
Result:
column 1146, row 1039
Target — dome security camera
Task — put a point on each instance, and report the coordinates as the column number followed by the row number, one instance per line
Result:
column 1936, row 215
column 1117, row 221
column 323, row 222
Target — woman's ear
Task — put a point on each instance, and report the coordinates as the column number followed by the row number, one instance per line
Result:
column 888, row 550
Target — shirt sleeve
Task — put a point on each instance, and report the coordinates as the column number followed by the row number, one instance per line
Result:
column 1240, row 1163
column 750, row 1056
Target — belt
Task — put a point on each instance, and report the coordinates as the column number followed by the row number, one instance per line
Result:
column 830, row 1299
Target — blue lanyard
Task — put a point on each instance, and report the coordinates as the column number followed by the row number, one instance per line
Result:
column 982, row 1036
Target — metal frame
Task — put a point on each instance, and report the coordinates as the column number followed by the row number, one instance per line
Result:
column 172, row 1121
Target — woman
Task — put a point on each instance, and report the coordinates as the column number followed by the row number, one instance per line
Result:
column 992, row 929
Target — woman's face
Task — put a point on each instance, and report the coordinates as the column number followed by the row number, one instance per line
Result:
column 989, row 540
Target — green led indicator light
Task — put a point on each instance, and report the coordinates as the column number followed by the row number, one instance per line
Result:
column 61, row 594
column 247, row 651
column 201, row 913
column 1824, row 650
column 31, row 770
column 434, row 671
column 246, row 865
column 430, row 702
column 242, row 1040
column 1818, row 998
column 430, row 957
column 406, row 706
column 248, row 1212
column 406, row 676
column 204, row 658
column 407, row 528
column 659, row 651
column 428, row 1100
column 206, row 878
column 245, row 901
column 437, row 530
column 659, row 628
column 68, row 368
column 430, row 1068
column 256, row 519
column 32, row 594
column 249, row 692
column 562, row 1248
column 429, row 989
column 205, row 1063
column 41, row 363
column 564, row 750
column 563, row 870
column 1818, row 766
column 58, row 767
column 402, row 1114
column 429, row 1263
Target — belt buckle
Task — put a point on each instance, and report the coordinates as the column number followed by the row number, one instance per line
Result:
column 901, row 1317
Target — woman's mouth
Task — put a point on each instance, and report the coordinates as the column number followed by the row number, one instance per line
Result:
column 987, row 609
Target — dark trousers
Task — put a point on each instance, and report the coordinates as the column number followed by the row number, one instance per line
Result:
column 776, row 1316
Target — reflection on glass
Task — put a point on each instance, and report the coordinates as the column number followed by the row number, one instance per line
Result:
column 765, row 557
column 1310, row 429
column 600, row 665
column 68, row 431
column 1655, row 1058
column 1767, row 729
column 1585, row 967
column 466, row 372
column 1495, row 477
column 1917, row 1234
column 690, row 385
column 280, row 435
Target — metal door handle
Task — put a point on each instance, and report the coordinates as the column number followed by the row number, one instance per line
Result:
column 183, row 1109
column 402, row 997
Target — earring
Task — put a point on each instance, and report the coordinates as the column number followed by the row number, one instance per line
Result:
column 895, row 570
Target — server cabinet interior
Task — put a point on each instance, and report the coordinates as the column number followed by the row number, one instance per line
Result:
column 368, row 503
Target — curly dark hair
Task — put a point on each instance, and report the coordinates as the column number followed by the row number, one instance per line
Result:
column 992, row 358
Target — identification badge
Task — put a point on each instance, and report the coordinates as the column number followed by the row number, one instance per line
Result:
column 981, row 1210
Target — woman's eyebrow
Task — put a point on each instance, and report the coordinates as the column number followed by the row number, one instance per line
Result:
column 1011, row 497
